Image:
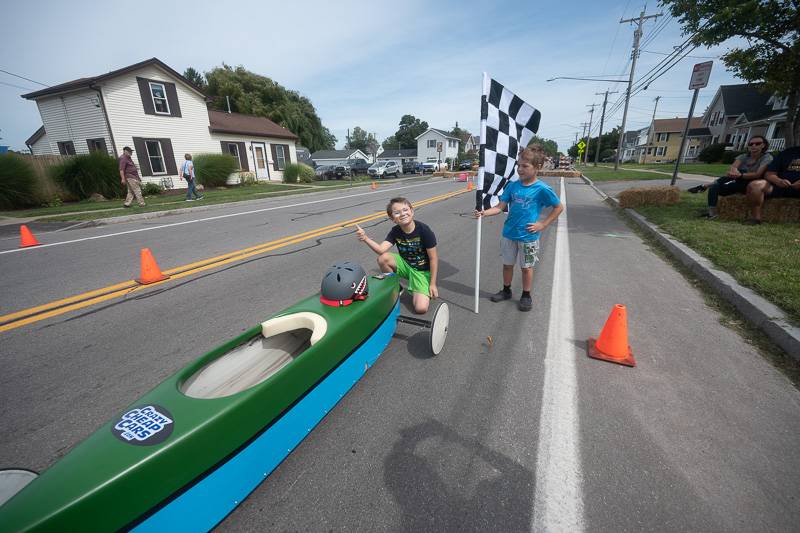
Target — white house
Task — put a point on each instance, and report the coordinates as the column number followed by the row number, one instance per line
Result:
column 472, row 143
column 436, row 145
column 333, row 157
column 162, row 115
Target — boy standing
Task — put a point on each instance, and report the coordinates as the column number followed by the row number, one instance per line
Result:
column 418, row 260
column 520, row 241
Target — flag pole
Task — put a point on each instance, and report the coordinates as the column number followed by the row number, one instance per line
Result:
column 484, row 92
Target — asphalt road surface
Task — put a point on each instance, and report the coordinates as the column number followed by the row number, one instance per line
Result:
column 511, row 428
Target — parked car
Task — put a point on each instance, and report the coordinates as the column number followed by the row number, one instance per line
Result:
column 325, row 172
column 465, row 164
column 384, row 169
column 342, row 170
column 358, row 166
column 411, row 167
column 432, row 166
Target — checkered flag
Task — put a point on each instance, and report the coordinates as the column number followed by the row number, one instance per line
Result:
column 507, row 123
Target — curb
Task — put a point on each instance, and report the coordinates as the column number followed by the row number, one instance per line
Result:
column 755, row 309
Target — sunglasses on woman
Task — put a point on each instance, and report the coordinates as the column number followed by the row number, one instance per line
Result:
column 756, row 143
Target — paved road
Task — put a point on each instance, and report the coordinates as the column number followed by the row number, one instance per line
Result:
column 523, row 432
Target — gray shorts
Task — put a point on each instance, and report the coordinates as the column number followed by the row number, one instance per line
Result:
column 526, row 253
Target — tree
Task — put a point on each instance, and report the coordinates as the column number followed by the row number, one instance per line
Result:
column 389, row 142
column 258, row 95
column 359, row 140
column 410, row 128
column 195, row 77
column 550, row 147
column 772, row 30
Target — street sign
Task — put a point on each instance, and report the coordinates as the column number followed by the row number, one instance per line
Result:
column 581, row 145
column 700, row 75
column 439, row 147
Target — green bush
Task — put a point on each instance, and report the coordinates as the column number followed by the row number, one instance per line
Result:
column 152, row 189
column 17, row 182
column 247, row 179
column 212, row 170
column 84, row 175
column 298, row 173
column 729, row 156
column 712, row 153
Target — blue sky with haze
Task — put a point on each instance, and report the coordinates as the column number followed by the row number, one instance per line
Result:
column 362, row 63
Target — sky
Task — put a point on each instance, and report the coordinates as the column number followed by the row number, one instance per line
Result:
column 366, row 64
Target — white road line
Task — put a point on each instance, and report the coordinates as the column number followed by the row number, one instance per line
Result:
column 195, row 221
column 558, row 503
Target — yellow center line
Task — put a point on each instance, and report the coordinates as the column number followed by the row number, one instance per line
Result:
column 79, row 301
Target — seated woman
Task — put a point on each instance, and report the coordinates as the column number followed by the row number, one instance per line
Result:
column 745, row 168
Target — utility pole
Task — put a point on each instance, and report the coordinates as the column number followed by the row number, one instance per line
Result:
column 602, row 119
column 637, row 35
column 584, row 124
column 589, row 136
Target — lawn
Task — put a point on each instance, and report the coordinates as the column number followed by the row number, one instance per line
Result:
column 609, row 174
column 86, row 210
column 764, row 258
column 706, row 169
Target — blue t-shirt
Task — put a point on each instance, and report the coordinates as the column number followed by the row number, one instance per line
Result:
column 787, row 164
column 524, row 205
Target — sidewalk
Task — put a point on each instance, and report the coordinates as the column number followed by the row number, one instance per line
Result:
column 759, row 312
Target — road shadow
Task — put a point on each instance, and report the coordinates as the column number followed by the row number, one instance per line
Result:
column 444, row 481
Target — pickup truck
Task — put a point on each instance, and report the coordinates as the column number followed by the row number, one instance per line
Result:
column 351, row 167
column 411, row 167
column 431, row 166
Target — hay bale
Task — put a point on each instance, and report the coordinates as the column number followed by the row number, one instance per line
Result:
column 734, row 207
column 643, row 196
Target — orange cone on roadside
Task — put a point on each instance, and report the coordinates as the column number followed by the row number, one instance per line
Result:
column 612, row 345
column 469, row 186
column 373, row 186
column 150, row 271
column 26, row 238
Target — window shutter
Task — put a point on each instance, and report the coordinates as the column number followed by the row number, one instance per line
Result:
column 169, row 156
column 141, row 156
column 274, row 157
column 243, row 159
column 224, row 146
column 147, row 98
column 172, row 100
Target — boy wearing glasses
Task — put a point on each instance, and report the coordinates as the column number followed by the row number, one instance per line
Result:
column 417, row 260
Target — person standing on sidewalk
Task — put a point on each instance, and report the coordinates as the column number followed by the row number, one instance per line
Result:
column 520, row 242
column 187, row 173
column 130, row 178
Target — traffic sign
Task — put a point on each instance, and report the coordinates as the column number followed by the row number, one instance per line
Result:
column 581, row 146
column 700, row 75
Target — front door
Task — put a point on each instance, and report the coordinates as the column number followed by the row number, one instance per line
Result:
column 260, row 155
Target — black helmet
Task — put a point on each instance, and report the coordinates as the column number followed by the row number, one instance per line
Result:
column 344, row 282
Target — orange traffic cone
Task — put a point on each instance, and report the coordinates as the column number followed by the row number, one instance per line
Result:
column 470, row 185
column 26, row 238
column 373, row 186
column 150, row 271
column 612, row 345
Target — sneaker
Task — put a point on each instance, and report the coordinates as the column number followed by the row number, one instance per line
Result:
column 752, row 222
column 697, row 189
column 709, row 216
column 142, row 205
column 199, row 198
column 525, row 303
column 126, row 205
column 190, row 199
column 500, row 295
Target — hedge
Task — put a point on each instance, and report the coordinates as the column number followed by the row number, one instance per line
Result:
column 17, row 182
column 212, row 170
column 84, row 175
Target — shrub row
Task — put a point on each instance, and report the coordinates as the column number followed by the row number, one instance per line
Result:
column 298, row 173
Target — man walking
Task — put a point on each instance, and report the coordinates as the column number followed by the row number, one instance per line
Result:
column 130, row 178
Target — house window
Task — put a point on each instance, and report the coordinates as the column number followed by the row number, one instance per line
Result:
column 159, row 95
column 691, row 151
column 96, row 145
column 66, row 148
column 431, row 143
column 156, row 157
column 661, row 150
column 233, row 149
column 663, row 137
column 280, row 156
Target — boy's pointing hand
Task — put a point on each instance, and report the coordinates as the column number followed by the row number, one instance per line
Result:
column 361, row 234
